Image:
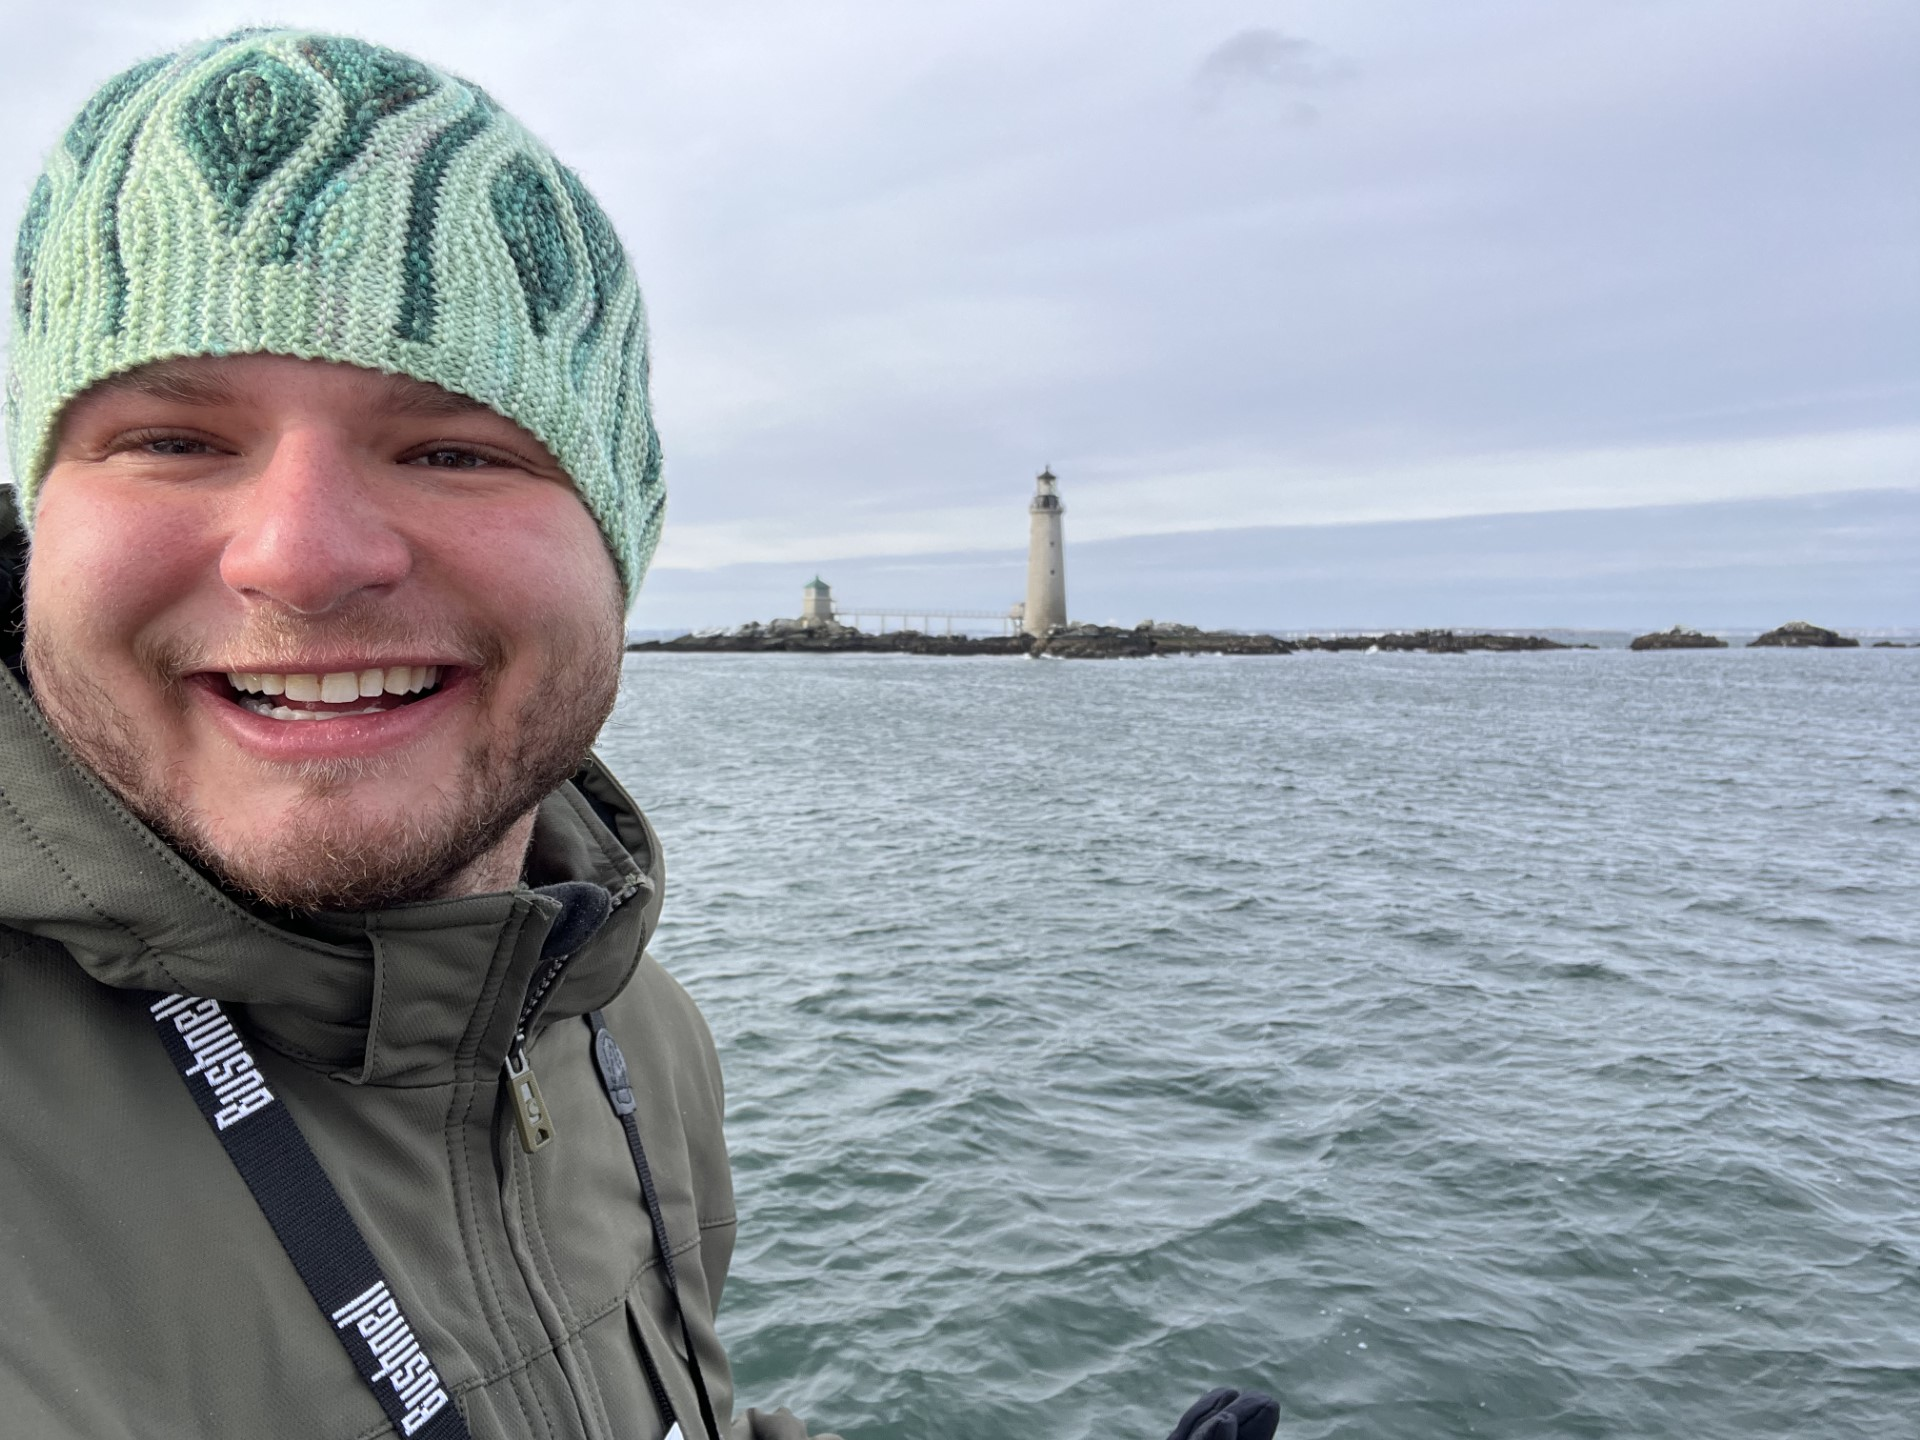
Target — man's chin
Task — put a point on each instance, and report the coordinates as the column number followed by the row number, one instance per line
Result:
column 362, row 793
column 331, row 854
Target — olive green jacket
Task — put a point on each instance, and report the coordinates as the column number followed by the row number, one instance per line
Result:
column 145, row 1297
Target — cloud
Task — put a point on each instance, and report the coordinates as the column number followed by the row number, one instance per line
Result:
column 1265, row 59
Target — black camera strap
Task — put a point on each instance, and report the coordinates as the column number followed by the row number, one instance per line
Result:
column 306, row 1212
column 326, row 1247
column 614, row 1080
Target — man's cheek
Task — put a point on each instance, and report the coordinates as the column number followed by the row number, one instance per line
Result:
column 104, row 572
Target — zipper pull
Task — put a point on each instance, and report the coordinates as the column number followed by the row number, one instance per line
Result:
column 529, row 1109
column 613, row 1066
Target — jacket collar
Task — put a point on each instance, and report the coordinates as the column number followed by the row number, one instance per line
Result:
column 414, row 994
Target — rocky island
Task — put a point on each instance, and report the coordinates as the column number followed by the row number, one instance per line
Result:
column 1071, row 642
column 830, row 635
column 1678, row 638
column 1799, row 634
column 1434, row 642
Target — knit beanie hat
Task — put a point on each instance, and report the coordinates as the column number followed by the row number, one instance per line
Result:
column 298, row 194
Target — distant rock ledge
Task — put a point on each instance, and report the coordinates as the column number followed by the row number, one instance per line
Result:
column 1678, row 638
column 796, row 635
column 1072, row 642
column 1802, row 635
column 1435, row 642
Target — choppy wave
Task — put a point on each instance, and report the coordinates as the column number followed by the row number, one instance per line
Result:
column 1518, row 1046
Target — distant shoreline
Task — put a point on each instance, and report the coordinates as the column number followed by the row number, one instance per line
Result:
column 1148, row 639
column 1080, row 642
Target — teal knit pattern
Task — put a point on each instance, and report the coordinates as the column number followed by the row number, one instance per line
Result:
column 287, row 193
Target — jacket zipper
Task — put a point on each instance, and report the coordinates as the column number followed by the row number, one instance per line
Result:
column 535, row 1125
column 530, row 1114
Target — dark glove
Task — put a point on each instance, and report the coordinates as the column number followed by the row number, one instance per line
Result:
column 1229, row 1415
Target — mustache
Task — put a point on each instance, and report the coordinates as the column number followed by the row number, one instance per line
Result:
column 272, row 636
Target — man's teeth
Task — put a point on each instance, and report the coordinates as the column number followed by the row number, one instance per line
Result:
column 336, row 686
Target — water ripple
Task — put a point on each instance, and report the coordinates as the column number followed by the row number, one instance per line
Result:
column 1514, row 1046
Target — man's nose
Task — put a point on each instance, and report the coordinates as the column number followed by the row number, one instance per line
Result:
column 313, row 529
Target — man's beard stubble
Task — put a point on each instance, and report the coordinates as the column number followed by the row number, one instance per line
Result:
column 321, row 857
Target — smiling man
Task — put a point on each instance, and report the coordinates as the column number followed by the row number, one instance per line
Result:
column 341, row 1097
column 321, row 932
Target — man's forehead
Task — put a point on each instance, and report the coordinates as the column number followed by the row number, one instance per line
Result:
column 212, row 380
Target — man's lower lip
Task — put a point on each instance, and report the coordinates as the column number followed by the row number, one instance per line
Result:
column 345, row 736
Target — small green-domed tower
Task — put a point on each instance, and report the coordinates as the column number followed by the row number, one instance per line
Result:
column 816, row 602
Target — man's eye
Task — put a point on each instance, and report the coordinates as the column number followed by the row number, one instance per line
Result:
column 175, row 445
column 448, row 459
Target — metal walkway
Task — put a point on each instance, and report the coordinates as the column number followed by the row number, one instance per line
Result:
column 849, row 614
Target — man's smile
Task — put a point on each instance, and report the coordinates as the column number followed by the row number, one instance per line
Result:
column 332, row 694
column 365, row 710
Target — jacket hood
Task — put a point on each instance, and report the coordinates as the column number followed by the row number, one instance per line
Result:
column 408, row 994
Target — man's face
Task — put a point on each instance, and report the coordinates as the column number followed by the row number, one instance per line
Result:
column 221, row 542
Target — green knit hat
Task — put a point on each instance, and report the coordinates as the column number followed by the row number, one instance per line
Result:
column 290, row 193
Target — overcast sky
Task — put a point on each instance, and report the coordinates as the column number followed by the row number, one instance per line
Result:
column 1233, row 269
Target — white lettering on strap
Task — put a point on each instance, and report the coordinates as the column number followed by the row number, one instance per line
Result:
column 219, row 1056
column 403, row 1364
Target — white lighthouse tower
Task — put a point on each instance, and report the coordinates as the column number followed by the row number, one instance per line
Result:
column 1046, row 564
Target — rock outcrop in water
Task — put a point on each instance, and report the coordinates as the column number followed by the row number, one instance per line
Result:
column 1076, row 642
column 1434, row 642
column 1678, row 638
column 1151, row 637
column 831, row 636
column 1800, row 634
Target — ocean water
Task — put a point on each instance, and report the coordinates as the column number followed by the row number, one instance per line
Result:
column 1517, row 1046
